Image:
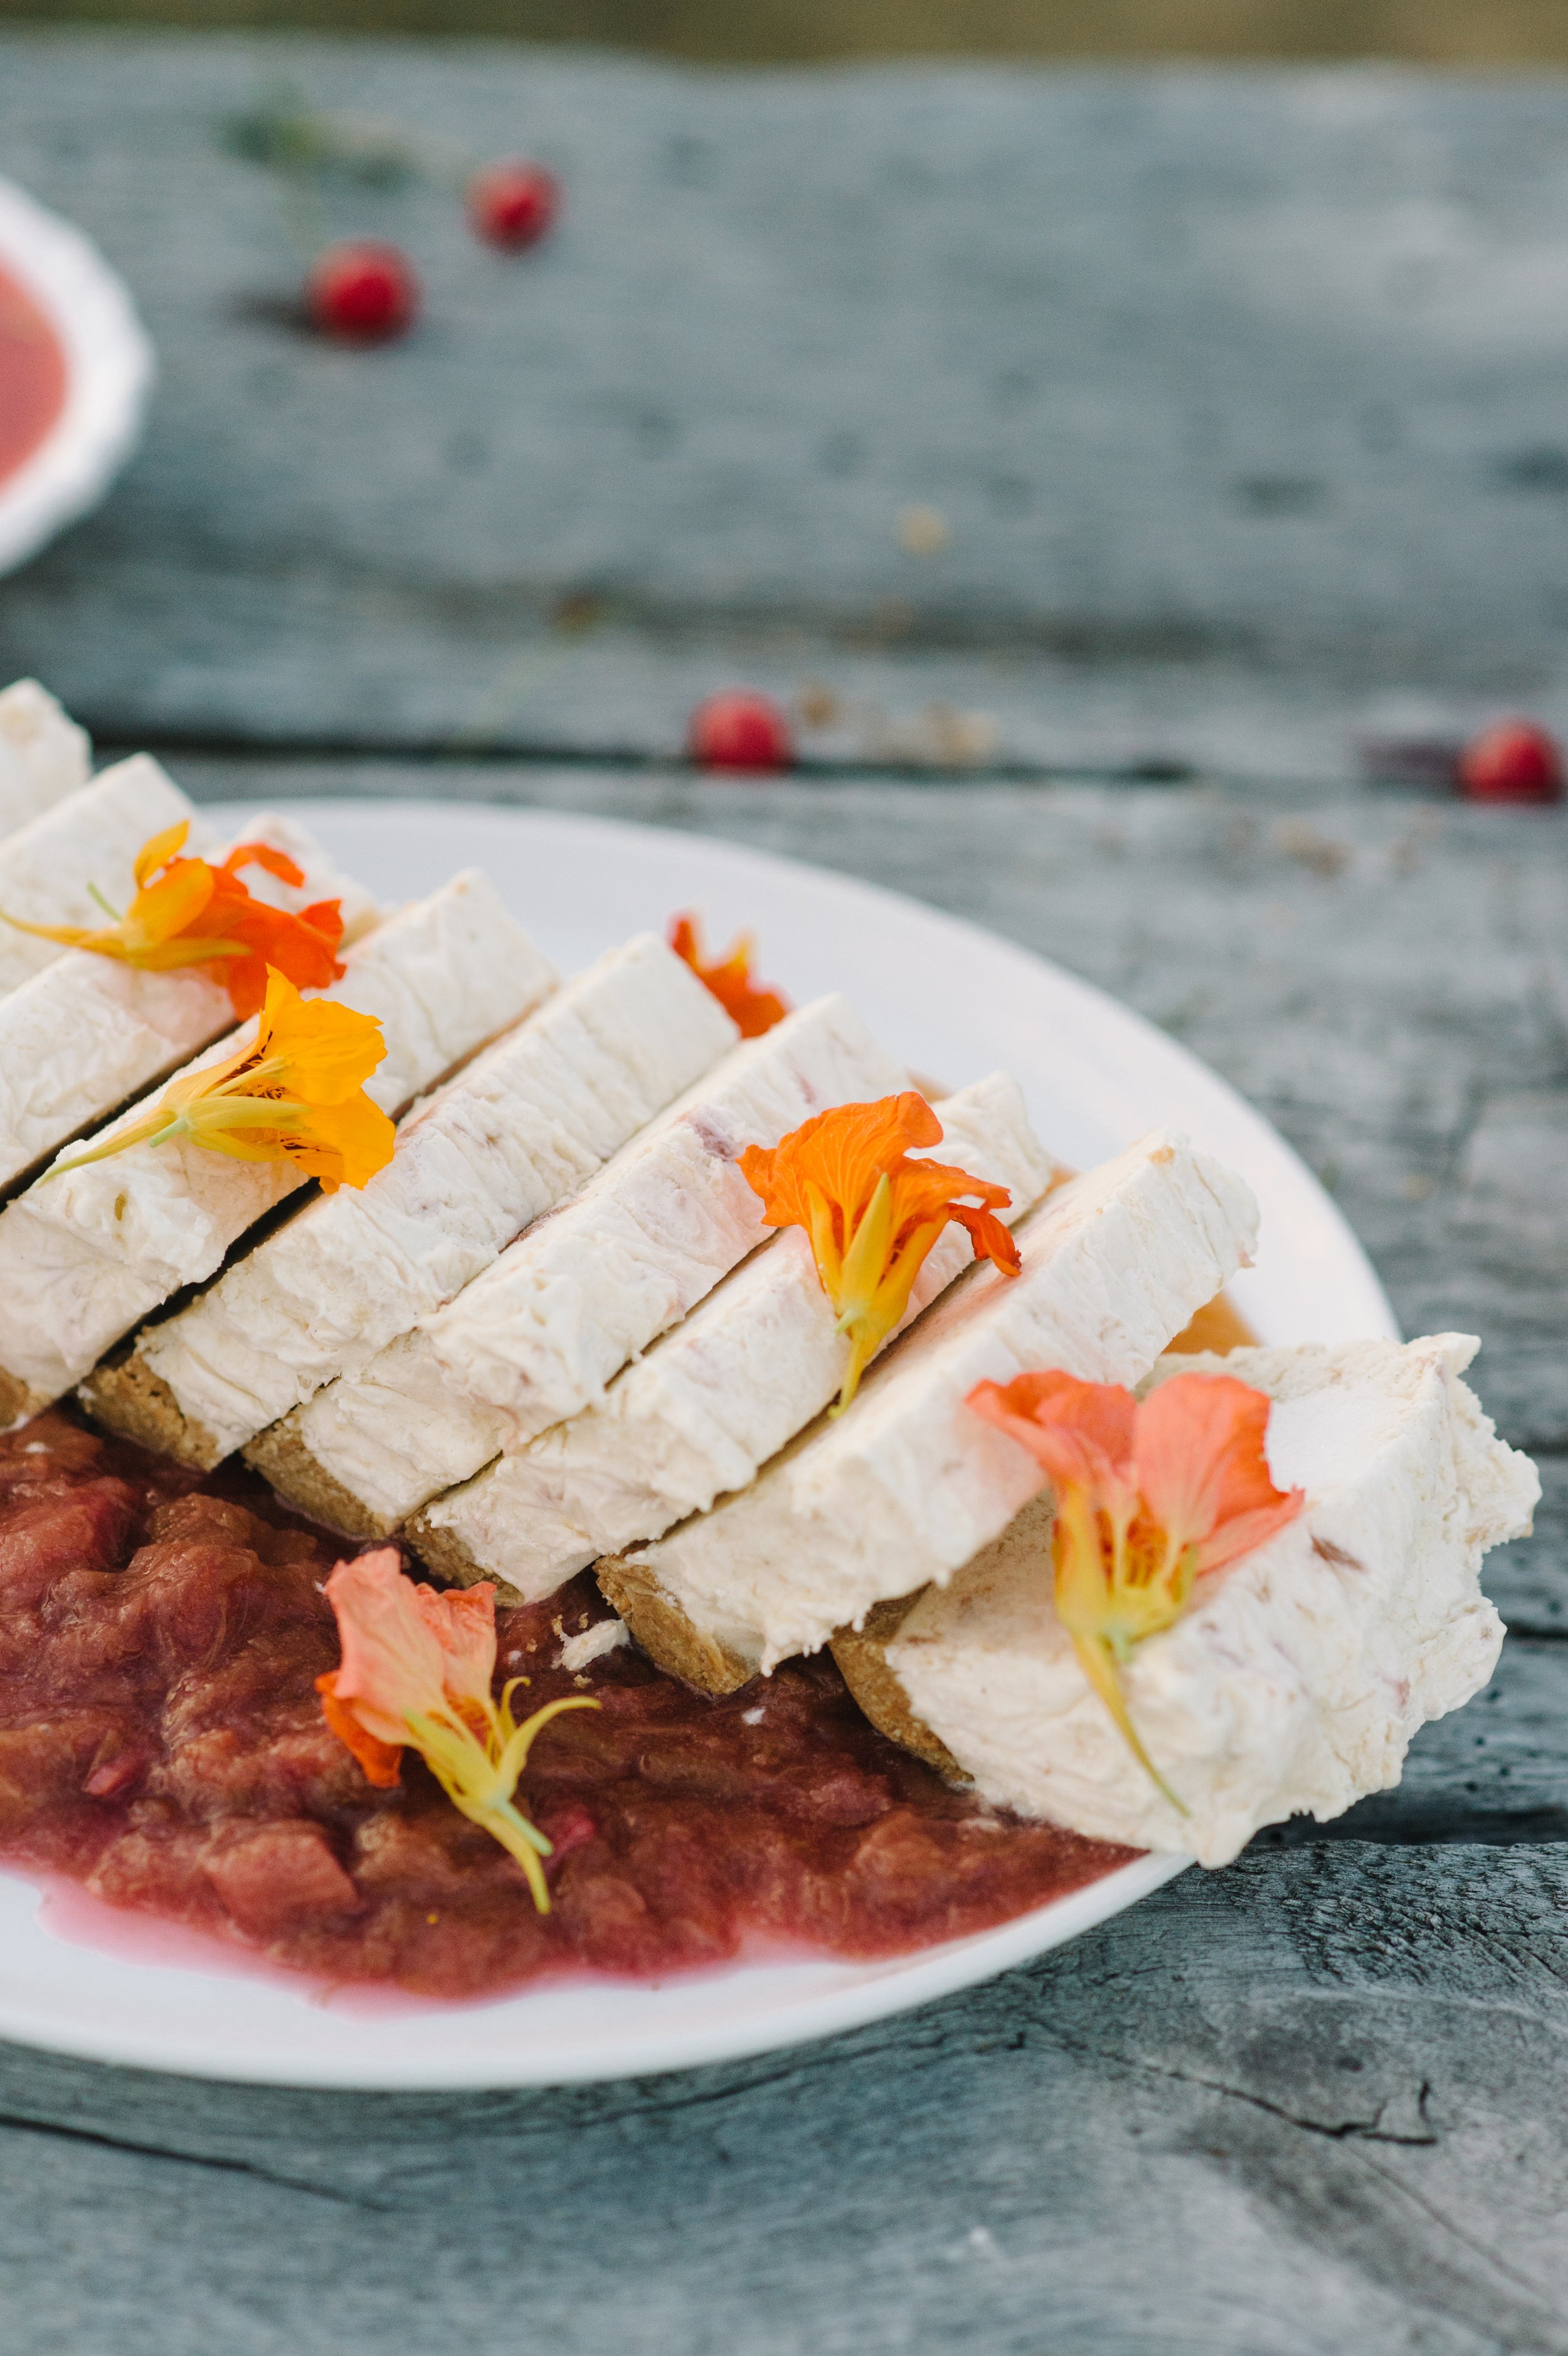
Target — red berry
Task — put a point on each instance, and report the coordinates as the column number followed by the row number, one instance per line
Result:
column 1514, row 762
column 364, row 294
column 739, row 731
column 512, row 205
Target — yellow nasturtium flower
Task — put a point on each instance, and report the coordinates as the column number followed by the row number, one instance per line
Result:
column 296, row 1093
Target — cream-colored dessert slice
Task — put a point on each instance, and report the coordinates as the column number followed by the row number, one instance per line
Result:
column 1294, row 1683
column 80, row 1038
column 44, row 756
column 910, row 1481
column 541, row 1333
column 48, row 867
column 711, row 1401
column 86, row 1255
column 517, row 1130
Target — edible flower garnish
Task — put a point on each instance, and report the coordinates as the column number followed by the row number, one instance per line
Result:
column 872, row 1213
column 416, row 1671
column 189, row 913
column 296, row 1094
column 753, row 1008
column 1151, row 1496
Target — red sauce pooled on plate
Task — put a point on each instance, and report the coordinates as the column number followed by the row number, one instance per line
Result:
column 32, row 375
column 162, row 1743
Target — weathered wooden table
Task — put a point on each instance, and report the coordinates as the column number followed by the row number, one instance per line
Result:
column 1240, row 401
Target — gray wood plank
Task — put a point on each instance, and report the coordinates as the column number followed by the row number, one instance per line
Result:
column 1238, row 393
column 1308, row 2105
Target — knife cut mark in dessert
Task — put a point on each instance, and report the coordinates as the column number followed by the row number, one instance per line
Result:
column 840, row 1548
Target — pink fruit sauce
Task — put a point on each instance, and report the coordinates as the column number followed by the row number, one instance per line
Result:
column 32, row 375
column 161, row 1748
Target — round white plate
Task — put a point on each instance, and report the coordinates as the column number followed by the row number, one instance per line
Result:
column 109, row 370
column 956, row 1002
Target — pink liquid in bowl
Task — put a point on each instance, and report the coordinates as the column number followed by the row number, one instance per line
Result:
column 32, row 376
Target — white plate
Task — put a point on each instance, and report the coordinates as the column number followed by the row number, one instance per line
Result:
column 954, row 1002
column 109, row 370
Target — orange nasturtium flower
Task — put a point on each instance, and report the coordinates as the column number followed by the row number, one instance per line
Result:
column 189, row 913
column 872, row 1213
column 417, row 1669
column 753, row 1008
column 1151, row 1496
column 296, row 1093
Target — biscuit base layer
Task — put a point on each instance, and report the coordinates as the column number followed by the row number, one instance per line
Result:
column 128, row 1398
column 19, row 1400
column 282, row 1458
column 444, row 1554
column 662, row 1630
column 862, row 1654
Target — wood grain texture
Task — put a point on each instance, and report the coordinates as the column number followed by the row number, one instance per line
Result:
column 1238, row 395
column 1311, row 2104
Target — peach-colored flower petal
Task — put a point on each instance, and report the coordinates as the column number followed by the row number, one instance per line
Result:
column 463, row 1621
column 393, row 1667
column 1202, row 1468
column 1078, row 1432
column 380, row 1762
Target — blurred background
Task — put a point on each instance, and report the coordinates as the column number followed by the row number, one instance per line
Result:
column 1467, row 32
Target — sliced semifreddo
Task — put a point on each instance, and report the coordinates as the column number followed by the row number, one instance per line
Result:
column 521, row 1127
column 909, row 1483
column 80, row 1038
column 51, row 867
column 541, row 1333
column 711, row 1401
column 44, row 756
column 87, row 1253
column 1296, row 1677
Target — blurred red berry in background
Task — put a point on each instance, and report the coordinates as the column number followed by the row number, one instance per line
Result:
column 1514, row 762
column 364, row 294
column 512, row 205
column 740, row 729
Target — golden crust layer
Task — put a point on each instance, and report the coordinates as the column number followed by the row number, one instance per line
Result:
column 280, row 1456
column 862, row 1657
column 662, row 1630
column 18, row 1399
column 126, row 1396
column 444, row 1555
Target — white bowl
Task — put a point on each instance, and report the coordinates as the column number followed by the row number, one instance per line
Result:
column 109, row 370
